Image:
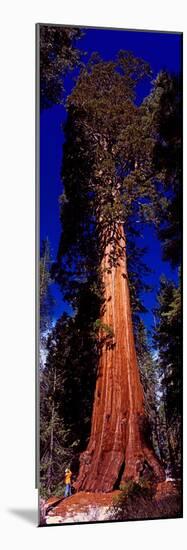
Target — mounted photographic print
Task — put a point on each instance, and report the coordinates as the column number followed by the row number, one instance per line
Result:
column 109, row 225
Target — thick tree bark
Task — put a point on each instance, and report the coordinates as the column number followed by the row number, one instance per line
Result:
column 117, row 446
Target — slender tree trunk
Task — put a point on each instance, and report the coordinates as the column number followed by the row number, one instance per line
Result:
column 170, row 458
column 49, row 472
column 117, row 444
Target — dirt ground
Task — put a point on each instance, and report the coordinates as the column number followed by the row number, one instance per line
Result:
column 84, row 506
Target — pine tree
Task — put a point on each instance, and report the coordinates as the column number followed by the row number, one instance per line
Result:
column 168, row 161
column 168, row 339
column 56, row 448
column 149, row 379
column 66, row 396
column 46, row 298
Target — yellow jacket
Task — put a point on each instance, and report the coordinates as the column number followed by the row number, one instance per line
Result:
column 68, row 475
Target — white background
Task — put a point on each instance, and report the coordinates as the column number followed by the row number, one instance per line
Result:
column 18, row 499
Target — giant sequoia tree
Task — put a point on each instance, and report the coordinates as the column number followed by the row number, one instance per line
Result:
column 108, row 180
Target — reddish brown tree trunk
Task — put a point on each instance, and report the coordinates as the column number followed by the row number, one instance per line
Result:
column 116, row 439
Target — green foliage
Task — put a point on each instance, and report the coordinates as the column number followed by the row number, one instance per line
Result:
column 66, row 396
column 141, row 504
column 138, row 271
column 100, row 326
column 168, row 339
column 162, row 434
column 58, row 54
column 45, row 263
column 165, row 108
column 46, row 299
column 149, row 377
column 168, row 161
column 114, row 137
column 131, row 490
column 137, row 501
column 107, row 173
column 110, row 177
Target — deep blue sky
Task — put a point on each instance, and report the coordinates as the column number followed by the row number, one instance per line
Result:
column 162, row 51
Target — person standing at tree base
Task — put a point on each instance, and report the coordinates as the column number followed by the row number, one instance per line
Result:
column 67, row 480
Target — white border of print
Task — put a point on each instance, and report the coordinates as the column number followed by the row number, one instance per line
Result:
column 18, row 496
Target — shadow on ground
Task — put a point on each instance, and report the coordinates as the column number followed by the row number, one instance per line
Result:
column 29, row 515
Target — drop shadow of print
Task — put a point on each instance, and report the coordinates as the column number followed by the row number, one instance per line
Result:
column 29, row 515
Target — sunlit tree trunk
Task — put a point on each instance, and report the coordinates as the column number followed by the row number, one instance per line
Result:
column 117, row 445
